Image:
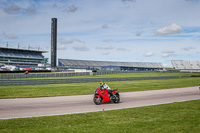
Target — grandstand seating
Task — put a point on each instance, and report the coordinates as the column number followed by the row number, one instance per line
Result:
column 186, row 65
column 129, row 65
column 17, row 54
column 195, row 64
column 21, row 56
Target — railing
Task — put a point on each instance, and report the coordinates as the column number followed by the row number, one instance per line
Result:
column 41, row 75
column 62, row 74
column 21, row 82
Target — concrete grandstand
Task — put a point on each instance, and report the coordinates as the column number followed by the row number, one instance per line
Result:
column 186, row 66
column 110, row 65
column 21, row 57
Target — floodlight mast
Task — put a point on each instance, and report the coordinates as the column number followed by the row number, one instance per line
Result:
column 53, row 43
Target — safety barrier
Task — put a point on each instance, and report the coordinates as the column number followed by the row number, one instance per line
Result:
column 21, row 82
column 41, row 75
column 61, row 74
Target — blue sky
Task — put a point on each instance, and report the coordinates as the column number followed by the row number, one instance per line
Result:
column 106, row 30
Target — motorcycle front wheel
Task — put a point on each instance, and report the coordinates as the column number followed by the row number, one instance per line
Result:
column 97, row 100
column 117, row 99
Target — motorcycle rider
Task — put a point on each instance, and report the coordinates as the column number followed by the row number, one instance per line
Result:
column 104, row 86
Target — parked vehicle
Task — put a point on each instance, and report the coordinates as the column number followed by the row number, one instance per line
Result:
column 102, row 96
column 26, row 69
column 9, row 68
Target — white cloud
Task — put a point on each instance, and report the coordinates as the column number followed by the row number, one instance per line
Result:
column 62, row 47
column 105, row 26
column 54, row 5
column 10, row 36
column 188, row 48
column 172, row 29
column 69, row 40
column 110, row 41
column 168, row 53
column 30, row 10
column 138, row 33
column 12, row 9
column 80, row 48
column 71, row 8
column 33, row 47
column 123, row 49
column 148, row 54
column 164, row 55
column 105, row 47
column 106, row 53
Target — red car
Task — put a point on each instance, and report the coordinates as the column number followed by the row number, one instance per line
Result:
column 27, row 68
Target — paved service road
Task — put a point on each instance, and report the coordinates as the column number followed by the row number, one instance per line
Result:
column 46, row 106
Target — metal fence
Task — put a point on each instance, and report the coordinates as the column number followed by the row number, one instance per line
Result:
column 41, row 75
column 21, row 82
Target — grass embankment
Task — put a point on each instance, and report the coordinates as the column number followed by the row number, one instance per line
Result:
column 88, row 88
column 140, row 74
column 146, row 74
column 123, row 75
column 181, row 117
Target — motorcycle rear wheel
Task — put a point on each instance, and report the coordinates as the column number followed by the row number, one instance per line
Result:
column 97, row 100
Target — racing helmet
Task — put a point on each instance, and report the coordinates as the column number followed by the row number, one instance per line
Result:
column 101, row 84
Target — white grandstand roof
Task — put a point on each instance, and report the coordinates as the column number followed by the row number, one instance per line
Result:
column 88, row 63
column 19, row 49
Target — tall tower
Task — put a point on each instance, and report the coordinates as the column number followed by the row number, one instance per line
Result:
column 53, row 42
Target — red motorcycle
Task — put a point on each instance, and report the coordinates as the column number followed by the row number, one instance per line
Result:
column 102, row 96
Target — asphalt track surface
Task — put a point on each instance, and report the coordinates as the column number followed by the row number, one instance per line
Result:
column 61, row 105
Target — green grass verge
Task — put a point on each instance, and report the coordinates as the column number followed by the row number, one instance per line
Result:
column 88, row 88
column 123, row 75
column 147, row 74
column 183, row 117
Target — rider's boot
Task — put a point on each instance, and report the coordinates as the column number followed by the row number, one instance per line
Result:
column 111, row 95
